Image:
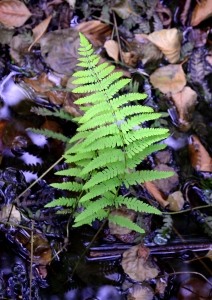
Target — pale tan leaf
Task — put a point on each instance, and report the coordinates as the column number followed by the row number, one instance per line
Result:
column 13, row 13
column 185, row 102
column 169, row 79
column 176, row 201
column 199, row 156
column 169, row 42
column 202, row 11
column 154, row 192
column 123, row 9
column 112, row 49
column 40, row 30
column 71, row 3
column 95, row 31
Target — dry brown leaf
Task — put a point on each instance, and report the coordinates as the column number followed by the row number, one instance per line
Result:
column 166, row 185
column 70, row 107
column 152, row 189
column 123, row 9
column 13, row 13
column 176, row 201
column 199, row 156
column 40, row 84
column 201, row 12
column 137, row 268
column 130, row 58
column 56, row 97
column 40, row 30
column 168, row 41
column 169, row 79
column 95, row 31
column 112, row 49
column 185, row 102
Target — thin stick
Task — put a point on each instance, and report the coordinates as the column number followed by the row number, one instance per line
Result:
column 118, row 38
column 31, row 261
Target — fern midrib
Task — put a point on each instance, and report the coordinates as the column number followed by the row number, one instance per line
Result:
column 120, row 131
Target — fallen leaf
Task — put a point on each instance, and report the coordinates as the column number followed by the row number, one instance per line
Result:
column 185, row 102
column 137, row 268
column 15, row 216
column 112, row 49
column 155, row 193
column 166, row 184
column 202, row 11
column 95, row 31
column 164, row 14
column 169, row 79
column 176, row 201
column 123, row 9
column 40, row 30
column 194, row 289
column 168, row 41
column 13, row 13
column 145, row 49
column 130, row 58
column 59, row 50
column 199, row 156
column 40, row 83
column 71, row 3
column 141, row 292
column 70, row 107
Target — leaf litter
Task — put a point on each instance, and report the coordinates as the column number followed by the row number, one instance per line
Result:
column 163, row 45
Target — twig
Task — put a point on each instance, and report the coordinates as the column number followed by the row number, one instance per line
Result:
column 31, row 261
column 118, row 38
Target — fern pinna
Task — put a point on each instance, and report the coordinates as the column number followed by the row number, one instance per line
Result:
column 110, row 142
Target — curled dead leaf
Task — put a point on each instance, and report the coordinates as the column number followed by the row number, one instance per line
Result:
column 112, row 49
column 185, row 102
column 176, row 201
column 168, row 41
column 201, row 12
column 130, row 58
column 169, row 79
column 199, row 156
column 95, row 31
column 138, row 268
column 40, row 30
column 13, row 13
column 154, row 192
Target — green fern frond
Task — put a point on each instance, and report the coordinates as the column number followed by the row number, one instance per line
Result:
column 60, row 113
column 124, row 222
column 69, row 186
column 143, row 176
column 49, row 134
column 69, row 202
column 110, row 142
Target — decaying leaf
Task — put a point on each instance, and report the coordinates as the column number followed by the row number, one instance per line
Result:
column 130, row 58
column 166, row 184
column 95, row 31
column 185, row 102
column 141, row 292
column 202, row 11
column 168, row 41
column 199, row 156
column 70, row 107
column 123, row 9
column 40, row 30
column 13, row 13
column 15, row 216
column 194, row 288
column 59, row 50
column 112, row 49
column 40, row 83
column 145, row 49
column 71, row 3
column 138, row 268
column 41, row 249
column 169, row 79
column 176, row 201
column 154, row 192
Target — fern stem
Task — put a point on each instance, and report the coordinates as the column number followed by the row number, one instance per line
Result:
column 88, row 247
